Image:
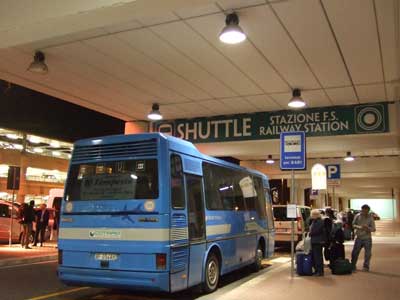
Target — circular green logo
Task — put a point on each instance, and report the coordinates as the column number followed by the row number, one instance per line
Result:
column 369, row 118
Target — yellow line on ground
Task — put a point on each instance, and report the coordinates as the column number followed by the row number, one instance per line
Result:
column 59, row 293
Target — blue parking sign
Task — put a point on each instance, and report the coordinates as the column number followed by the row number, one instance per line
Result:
column 293, row 150
column 332, row 171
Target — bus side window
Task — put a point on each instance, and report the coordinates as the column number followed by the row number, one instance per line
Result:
column 212, row 186
column 260, row 203
column 177, row 191
column 268, row 207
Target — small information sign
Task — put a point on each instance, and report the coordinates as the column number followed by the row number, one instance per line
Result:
column 291, row 212
column 293, row 150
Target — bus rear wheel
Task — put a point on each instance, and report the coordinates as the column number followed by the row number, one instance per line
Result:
column 212, row 272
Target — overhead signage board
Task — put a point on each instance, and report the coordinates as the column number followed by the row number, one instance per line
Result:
column 318, row 177
column 293, row 150
column 333, row 174
column 322, row 121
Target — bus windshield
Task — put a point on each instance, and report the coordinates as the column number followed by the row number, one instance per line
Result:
column 113, row 180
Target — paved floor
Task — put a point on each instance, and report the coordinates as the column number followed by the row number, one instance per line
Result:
column 383, row 282
column 16, row 254
column 39, row 281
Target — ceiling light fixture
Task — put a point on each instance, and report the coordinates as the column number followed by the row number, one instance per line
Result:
column 296, row 101
column 55, row 144
column 155, row 114
column 349, row 157
column 38, row 65
column 270, row 161
column 12, row 136
column 34, row 139
column 38, row 150
column 232, row 33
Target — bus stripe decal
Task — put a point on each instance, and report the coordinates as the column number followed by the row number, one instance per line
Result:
column 218, row 229
column 120, row 234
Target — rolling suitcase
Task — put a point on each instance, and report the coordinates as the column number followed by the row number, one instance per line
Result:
column 303, row 264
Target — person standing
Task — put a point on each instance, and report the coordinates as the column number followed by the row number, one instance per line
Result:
column 42, row 221
column 363, row 224
column 337, row 247
column 317, row 234
column 349, row 220
column 28, row 216
column 328, row 227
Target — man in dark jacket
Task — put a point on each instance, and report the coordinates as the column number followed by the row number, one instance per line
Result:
column 317, row 234
column 42, row 221
column 28, row 216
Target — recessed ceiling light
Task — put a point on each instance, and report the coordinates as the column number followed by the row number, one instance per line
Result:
column 34, row 139
column 38, row 65
column 38, row 150
column 55, row 144
column 12, row 136
column 232, row 33
column 56, row 153
column 349, row 157
column 296, row 101
column 155, row 114
column 18, row 146
column 270, row 161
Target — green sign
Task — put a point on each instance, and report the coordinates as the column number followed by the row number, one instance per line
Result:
column 323, row 121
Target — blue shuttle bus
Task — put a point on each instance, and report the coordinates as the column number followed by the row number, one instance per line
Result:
column 150, row 212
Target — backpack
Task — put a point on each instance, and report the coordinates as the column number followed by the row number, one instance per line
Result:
column 341, row 267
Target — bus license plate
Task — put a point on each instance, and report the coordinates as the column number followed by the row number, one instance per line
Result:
column 106, row 256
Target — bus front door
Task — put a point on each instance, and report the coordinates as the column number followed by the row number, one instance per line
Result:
column 196, row 226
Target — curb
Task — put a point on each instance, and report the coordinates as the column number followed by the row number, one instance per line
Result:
column 20, row 261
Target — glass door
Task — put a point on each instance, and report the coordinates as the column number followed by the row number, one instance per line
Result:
column 197, row 228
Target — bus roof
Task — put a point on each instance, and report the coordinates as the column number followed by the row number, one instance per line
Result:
column 174, row 143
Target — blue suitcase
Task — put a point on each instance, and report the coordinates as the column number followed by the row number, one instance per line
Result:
column 303, row 264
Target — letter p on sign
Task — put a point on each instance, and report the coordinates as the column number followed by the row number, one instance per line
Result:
column 333, row 171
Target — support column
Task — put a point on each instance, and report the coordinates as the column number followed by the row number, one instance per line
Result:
column 397, row 203
column 22, row 182
column 299, row 194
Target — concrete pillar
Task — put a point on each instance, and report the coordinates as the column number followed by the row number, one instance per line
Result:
column 22, row 183
column 397, row 203
column 299, row 195
column 320, row 202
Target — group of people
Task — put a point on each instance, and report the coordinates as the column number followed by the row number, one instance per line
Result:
column 327, row 238
column 27, row 216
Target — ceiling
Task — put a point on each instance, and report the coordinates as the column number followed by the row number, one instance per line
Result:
column 120, row 56
column 337, row 52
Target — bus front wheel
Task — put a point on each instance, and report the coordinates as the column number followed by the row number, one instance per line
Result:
column 212, row 272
